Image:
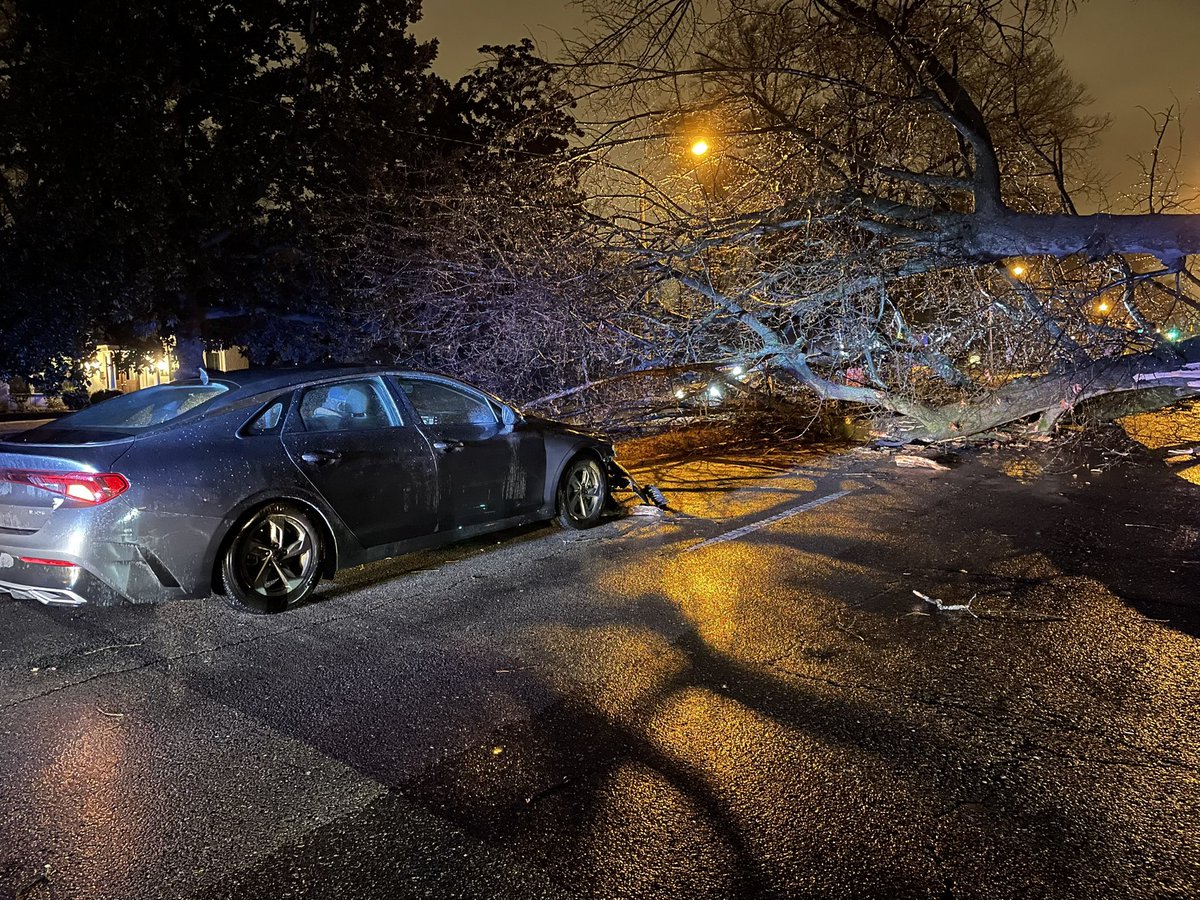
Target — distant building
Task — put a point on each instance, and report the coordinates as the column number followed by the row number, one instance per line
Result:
column 116, row 369
column 111, row 370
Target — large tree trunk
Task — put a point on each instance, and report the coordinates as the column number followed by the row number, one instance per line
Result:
column 1003, row 234
column 189, row 340
column 1049, row 396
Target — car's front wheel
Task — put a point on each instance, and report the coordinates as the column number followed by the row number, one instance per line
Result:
column 582, row 493
column 273, row 561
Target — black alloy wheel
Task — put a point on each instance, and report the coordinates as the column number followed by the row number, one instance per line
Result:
column 274, row 560
column 582, row 493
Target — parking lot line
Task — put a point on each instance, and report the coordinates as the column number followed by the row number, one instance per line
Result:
column 770, row 520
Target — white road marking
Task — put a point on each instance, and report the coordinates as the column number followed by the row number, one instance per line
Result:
column 771, row 520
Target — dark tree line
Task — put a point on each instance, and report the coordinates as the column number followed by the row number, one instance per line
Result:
column 286, row 175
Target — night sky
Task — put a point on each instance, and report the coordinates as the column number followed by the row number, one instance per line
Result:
column 1127, row 52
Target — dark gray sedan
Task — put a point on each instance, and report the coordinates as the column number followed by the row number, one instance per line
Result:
column 257, row 484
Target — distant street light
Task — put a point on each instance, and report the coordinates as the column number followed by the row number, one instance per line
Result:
column 700, row 147
column 1017, row 270
column 1102, row 307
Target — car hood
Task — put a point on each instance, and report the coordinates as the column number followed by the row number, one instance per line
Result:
column 565, row 429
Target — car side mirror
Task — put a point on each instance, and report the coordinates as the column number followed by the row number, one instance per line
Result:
column 510, row 417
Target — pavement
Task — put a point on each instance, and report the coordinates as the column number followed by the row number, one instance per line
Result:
column 741, row 698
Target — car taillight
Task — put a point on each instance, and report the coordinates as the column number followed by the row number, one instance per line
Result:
column 42, row 561
column 92, row 488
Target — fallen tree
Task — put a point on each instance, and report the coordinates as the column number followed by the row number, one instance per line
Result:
column 879, row 200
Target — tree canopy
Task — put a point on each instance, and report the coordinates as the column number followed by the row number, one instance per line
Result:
column 884, row 206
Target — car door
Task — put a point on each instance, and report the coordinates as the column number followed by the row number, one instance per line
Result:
column 375, row 469
column 488, row 469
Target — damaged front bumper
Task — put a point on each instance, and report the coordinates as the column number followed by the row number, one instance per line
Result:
column 621, row 478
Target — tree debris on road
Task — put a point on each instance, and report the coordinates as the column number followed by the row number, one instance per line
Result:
column 909, row 461
column 948, row 607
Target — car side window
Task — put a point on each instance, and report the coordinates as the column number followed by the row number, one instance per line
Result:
column 348, row 406
column 265, row 421
column 437, row 403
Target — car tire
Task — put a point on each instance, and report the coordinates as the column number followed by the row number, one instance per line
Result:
column 274, row 560
column 582, row 493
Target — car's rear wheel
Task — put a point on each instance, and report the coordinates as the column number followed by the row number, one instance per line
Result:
column 273, row 561
column 582, row 493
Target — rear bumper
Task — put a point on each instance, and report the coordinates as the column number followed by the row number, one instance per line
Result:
column 48, row 596
column 117, row 555
column 54, row 585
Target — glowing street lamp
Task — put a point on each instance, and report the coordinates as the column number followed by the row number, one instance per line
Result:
column 700, row 147
column 1017, row 270
column 1103, row 307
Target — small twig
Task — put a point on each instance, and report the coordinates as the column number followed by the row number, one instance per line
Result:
column 25, row 892
column 546, row 791
column 949, row 607
column 111, row 647
column 854, row 634
column 517, row 669
column 112, row 715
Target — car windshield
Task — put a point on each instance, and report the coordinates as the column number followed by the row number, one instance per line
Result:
column 137, row 411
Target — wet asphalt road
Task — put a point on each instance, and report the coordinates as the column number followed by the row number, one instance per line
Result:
column 632, row 712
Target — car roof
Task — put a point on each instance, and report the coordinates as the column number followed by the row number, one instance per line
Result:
column 268, row 378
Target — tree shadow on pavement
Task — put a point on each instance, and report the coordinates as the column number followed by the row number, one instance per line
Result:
column 727, row 778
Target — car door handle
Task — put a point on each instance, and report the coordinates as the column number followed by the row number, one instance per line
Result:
column 447, row 446
column 321, row 457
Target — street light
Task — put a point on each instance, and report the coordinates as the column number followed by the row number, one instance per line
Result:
column 1017, row 270
column 700, row 147
column 1102, row 307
